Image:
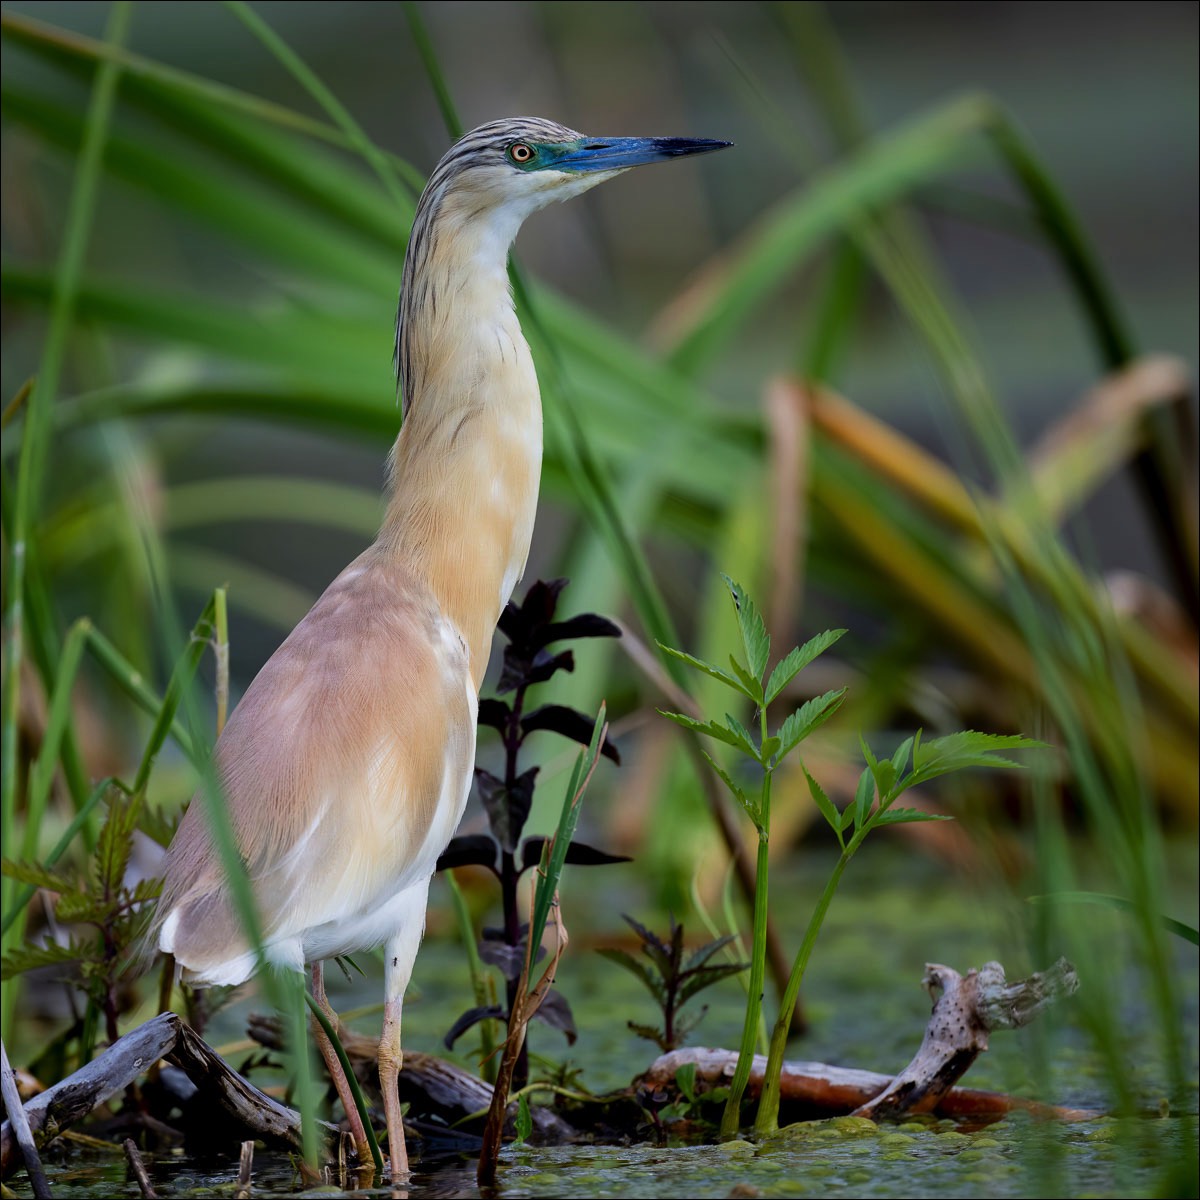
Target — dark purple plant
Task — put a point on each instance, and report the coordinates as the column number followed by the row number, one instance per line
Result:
column 530, row 629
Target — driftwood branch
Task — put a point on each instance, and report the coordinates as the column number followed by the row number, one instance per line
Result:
column 22, row 1134
column 166, row 1036
column 431, row 1085
column 811, row 1090
column 967, row 1010
column 218, row 1083
column 139, row 1170
column 59, row 1107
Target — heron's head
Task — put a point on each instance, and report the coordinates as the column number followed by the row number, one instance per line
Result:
column 521, row 164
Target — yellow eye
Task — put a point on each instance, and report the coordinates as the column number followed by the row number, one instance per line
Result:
column 520, row 153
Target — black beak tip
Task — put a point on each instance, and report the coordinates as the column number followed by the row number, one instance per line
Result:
column 699, row 145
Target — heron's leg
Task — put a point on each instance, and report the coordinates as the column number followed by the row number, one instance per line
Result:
column 400, row 954
column 333, row 1064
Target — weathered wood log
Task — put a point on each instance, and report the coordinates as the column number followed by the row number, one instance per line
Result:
column 816, row 1089
column 967, row 1010
column 58, row 1107
column 253, row 1110
column 166, row 1036
column 431, row 1085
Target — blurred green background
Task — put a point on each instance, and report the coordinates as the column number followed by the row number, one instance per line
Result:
column 1107, row 94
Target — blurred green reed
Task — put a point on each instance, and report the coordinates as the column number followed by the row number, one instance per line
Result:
column 982, row 573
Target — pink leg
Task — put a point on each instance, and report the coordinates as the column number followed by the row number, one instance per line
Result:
column 334, row 1066
column 401, row 953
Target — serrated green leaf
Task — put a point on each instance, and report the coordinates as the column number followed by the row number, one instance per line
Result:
column 638, row 967
column 885, row 776
column 900, row 758
column 968, row 748
column 769, row 747
column 882, row 769
column 708, row 669
column 649, row 1032
column 749, row 805
column 702, row 954
column 754, row 632
column 78, row 907
column 864, row 794
column 146, row 889
column 658, row 951
column 742, row 739
column 39, row 876
column 115, row 843
column 808, row 717
column 157, row 825
column 788, row 668
column 904, row 816
column 749, row 685
column 707, row 978
column 30, row 958
column 706, row 728
column 649, row 938
column 867, row 753
column 825, row 806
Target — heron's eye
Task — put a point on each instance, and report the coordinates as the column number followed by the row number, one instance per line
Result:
column 521, row 153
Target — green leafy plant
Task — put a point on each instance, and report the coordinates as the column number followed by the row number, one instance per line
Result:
column 693, row 1101
column 883, row 780
column 672, row 978
column 880, row 785
column 104, row 914
column 767, row 752
column 104, row 901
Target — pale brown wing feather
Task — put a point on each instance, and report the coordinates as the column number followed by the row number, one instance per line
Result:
column 332, row 765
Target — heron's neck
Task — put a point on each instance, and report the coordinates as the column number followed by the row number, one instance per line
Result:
column 468, row 459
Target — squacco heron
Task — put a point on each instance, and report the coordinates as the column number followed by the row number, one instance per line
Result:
column 347, row 764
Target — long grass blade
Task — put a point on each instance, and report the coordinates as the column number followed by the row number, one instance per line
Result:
column 37, row 423
column 364, row 1113
column 338, row 113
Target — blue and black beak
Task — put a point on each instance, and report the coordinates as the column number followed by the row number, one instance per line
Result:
column 616, row 154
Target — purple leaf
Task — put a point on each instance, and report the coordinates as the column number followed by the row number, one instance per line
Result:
column 584, row 625
column 494, row 713
column 472, row 1017
column 570, row 723
column 577, row 852
column 556, row 1012
column 470, row 850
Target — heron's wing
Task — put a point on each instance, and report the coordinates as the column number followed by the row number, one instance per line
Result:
column 344, row 769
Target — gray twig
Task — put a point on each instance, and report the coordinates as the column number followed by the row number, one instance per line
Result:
column 245, row 1166
column 20, row 1127
column 139, row 1170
